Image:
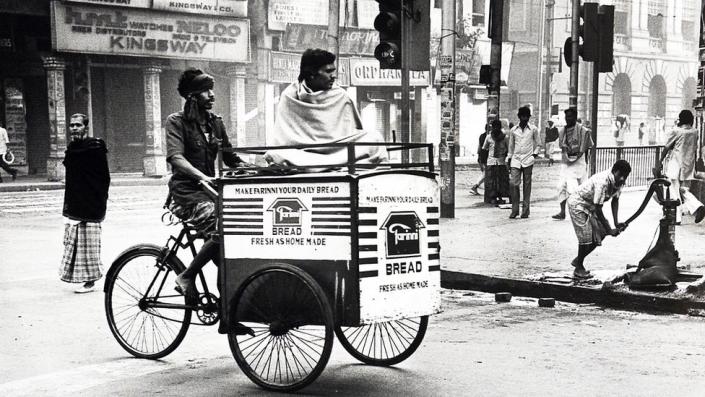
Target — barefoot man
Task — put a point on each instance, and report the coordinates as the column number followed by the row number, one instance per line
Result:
column 585, row 208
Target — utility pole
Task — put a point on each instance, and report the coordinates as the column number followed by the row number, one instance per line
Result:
column 405, row 56
column 539, row 65
column 446, row 151
column 496, row 32
column 334, row 28
column 549, row 46
column 574, row 59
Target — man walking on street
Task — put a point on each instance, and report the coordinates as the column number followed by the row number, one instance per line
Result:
column 680, row 165
column 85, row 199
column 550, row 137
column 523, row 149
column 585, row 207
column 4, row 140
column 574, row 141
column 482, row 155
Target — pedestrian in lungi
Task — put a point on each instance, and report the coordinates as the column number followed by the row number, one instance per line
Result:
column 574, row 140
column 524, row 141
column 585, row 207
column 85, row 200
column 679, row 154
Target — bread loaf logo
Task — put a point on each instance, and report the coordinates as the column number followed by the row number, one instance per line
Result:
column 402, row 231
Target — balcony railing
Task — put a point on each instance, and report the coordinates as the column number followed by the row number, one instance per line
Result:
column 622, row 42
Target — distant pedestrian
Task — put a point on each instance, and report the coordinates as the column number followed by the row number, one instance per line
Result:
column 497, row 175
column 679, row 154
column 85, row 199
column 550, row 137
column 481, row 160
column 642, row 132
column 4, row 140
column 574, row 140
column 585, row 207
column 524, row 143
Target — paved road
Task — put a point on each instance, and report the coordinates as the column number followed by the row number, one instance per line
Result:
column 55, row 342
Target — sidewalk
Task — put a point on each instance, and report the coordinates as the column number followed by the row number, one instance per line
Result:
column 35, row 183
column 483, row 249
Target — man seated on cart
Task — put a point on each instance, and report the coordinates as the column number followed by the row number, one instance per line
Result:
column 316, row 110
column 192, row 137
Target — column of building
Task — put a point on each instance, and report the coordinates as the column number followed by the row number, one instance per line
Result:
column 154, row 160
column 55, row 68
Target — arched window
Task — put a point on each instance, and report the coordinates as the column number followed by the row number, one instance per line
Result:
column 621, row 95
column 690, row 91
column 657, row 97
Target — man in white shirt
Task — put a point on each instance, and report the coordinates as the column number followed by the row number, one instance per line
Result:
column 524, row 141
column 4, row 140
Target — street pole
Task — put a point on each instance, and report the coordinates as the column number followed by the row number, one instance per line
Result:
column 334, row 28
column 447, row 147
column 496, row 29
column 574, row 60
column 549, row 46
column 593, row 115
column 539, row 66
column 405, row 56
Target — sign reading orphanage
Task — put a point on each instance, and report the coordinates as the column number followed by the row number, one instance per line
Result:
column 127, row 31
column 230, row 8
column 366, row 72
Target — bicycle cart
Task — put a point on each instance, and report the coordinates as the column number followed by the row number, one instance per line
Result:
column 353, row 253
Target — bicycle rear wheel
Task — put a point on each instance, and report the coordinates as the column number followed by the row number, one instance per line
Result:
column 385, row 343
column 137, row 280
column 292, row 323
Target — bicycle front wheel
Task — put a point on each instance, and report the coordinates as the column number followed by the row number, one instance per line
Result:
column 292, row 324
column 385, row 343
column 138, row 281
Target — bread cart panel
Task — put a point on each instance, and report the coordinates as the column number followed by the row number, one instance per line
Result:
column 295, row 220
column 399, row 262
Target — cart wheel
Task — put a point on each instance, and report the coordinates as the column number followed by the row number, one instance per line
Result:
column 142, row 330
column 386, row 343
column 292, row 323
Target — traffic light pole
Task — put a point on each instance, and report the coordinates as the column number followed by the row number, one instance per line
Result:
column 405, row 55
column 446, row 150
column 574, row 37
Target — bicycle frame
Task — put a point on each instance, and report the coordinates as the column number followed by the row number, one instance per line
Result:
column 170, row 249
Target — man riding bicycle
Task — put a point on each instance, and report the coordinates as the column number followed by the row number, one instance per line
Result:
column 192, row 137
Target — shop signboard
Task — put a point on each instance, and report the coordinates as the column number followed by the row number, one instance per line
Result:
column 366, row 72
column 230, row 8
column 15, row 119
column 297, row 38
column 134, row 32
column 305, row 12
column 284, row 68
column 119, row 3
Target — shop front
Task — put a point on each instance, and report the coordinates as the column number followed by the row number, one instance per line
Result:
column 120, row 63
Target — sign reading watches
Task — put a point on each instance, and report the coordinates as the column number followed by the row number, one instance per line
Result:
column 151, row 34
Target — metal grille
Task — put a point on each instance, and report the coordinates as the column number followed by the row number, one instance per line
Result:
column 622, row 5
column 642, row 159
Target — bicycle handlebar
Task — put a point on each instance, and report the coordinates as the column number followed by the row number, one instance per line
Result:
column 208, row 189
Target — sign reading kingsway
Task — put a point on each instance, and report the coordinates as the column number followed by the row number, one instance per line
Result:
column 229, row 8
column 126, row 31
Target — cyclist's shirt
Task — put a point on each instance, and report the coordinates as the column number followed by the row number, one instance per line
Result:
column 199, row 148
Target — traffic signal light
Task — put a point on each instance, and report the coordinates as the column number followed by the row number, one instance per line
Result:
column 606, row 17
column 388, row 24
column 420, row 35
column 590, row 32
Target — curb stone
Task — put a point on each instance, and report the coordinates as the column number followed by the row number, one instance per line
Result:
column 602, row 295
